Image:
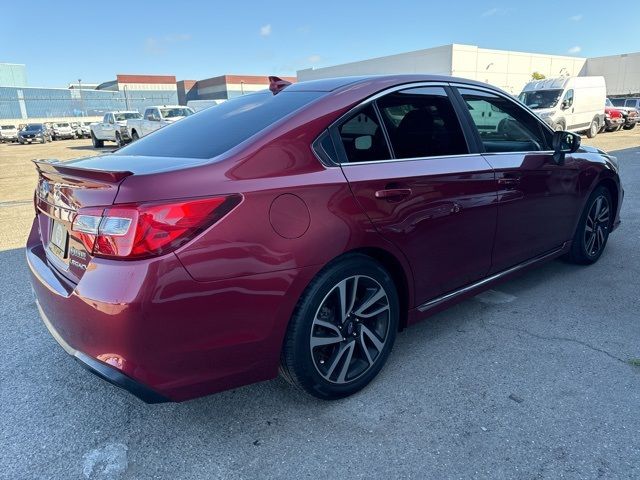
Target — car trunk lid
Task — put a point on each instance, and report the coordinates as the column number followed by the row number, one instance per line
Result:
column 62, row 190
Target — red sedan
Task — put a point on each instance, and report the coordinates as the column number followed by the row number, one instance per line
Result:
column 298, row 229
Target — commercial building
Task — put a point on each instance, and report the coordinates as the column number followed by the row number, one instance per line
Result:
column 126, row 92
column 505, row 69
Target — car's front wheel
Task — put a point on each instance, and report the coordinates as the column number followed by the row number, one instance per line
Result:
column 119, row 140
column 342, row 330
column 593, row 228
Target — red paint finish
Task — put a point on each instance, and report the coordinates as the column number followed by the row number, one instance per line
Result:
column 212, row 314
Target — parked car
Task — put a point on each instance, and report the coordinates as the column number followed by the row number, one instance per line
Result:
column 8, row 133
column 575, row 104
column 299, row 231
column 627, row 102
column 34, row 132
column 630, row 115
column 62, row 131
column 614, row 120
column 155, row 118
column 113, row 128
column 81, row 129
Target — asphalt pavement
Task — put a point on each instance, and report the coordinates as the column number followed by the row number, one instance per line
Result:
column 538, row 378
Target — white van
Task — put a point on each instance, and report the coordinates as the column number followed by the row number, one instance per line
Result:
column 575, row 104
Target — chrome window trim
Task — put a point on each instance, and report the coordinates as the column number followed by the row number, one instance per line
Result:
column 373, row 98
column 427, row 83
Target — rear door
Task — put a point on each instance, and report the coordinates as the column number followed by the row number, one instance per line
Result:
column 538, row 199
column 409, row 166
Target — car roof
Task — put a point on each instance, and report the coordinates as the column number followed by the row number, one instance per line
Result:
column 331, row 84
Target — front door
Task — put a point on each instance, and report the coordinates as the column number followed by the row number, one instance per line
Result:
column 537, row 198
column 409, row 167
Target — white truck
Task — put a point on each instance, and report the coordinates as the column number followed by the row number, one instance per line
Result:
column 575, row 104
column 155, row 118
column 112, row 128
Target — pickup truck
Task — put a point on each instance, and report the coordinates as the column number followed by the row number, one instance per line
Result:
column 155, row 118
column 112, row 128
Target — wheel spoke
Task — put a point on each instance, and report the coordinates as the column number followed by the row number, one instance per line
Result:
column 347, row 362
column 375, row 312
column 604, row 215
column 373, row 337
column 364, row 348
column 590, row 243
column 321, row 341
column 380, row 293
column 327, row 325
column 336, row 359
column 598, row 207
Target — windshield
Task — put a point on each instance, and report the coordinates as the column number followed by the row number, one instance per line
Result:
column 615, row 102
column 8, row 127
column 540, row 98
column 175, row 112
column 34, row 126
column 63, row 125
column 121, row 117
column 213, row 131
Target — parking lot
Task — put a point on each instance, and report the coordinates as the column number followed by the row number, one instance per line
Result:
column 538, row 378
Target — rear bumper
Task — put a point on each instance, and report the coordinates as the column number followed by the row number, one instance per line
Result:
column 149, row 327
column 103, row 370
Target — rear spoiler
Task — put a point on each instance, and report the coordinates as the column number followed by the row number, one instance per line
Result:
column 276, row 84
column 54, row 166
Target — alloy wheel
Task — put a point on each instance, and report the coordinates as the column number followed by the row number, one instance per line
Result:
column 350, row 329
column 597, row 226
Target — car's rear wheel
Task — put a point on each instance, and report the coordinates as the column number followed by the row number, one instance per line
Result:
column 630, row 127
column 134, row 136
column 342, row 330
column 119, row 139
column 593, row 228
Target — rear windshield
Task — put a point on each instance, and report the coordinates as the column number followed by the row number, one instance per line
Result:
column 214, row 131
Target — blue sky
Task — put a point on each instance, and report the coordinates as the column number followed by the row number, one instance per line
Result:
column 93, row 40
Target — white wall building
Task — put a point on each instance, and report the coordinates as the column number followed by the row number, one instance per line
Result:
column 505, row 69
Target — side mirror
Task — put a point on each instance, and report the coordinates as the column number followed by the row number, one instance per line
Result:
column 563, row 143
column 363, row 143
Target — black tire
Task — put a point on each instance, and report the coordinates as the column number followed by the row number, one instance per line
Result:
column 119, row 142
column 593, row 128
column 353, row 361
column 630, row 127
column 134, row 136
column 583, row 249
column 96, row 143
column 560, row 126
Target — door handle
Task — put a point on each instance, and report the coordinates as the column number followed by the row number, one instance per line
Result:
column 393, row 193
column 509, row 179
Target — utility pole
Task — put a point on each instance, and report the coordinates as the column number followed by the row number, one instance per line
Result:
column 81, row 102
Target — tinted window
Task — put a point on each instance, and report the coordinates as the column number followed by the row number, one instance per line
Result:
column 421, row 122
column 504, row 126
column 362, row 137
column 617, row 102
column 627, row 103
column 213, row 131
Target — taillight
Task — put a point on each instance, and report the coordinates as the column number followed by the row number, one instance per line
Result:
column 148, row 229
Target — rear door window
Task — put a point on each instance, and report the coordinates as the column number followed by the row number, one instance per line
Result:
column 421, row 122
column 504, row 126
column 362, row 137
